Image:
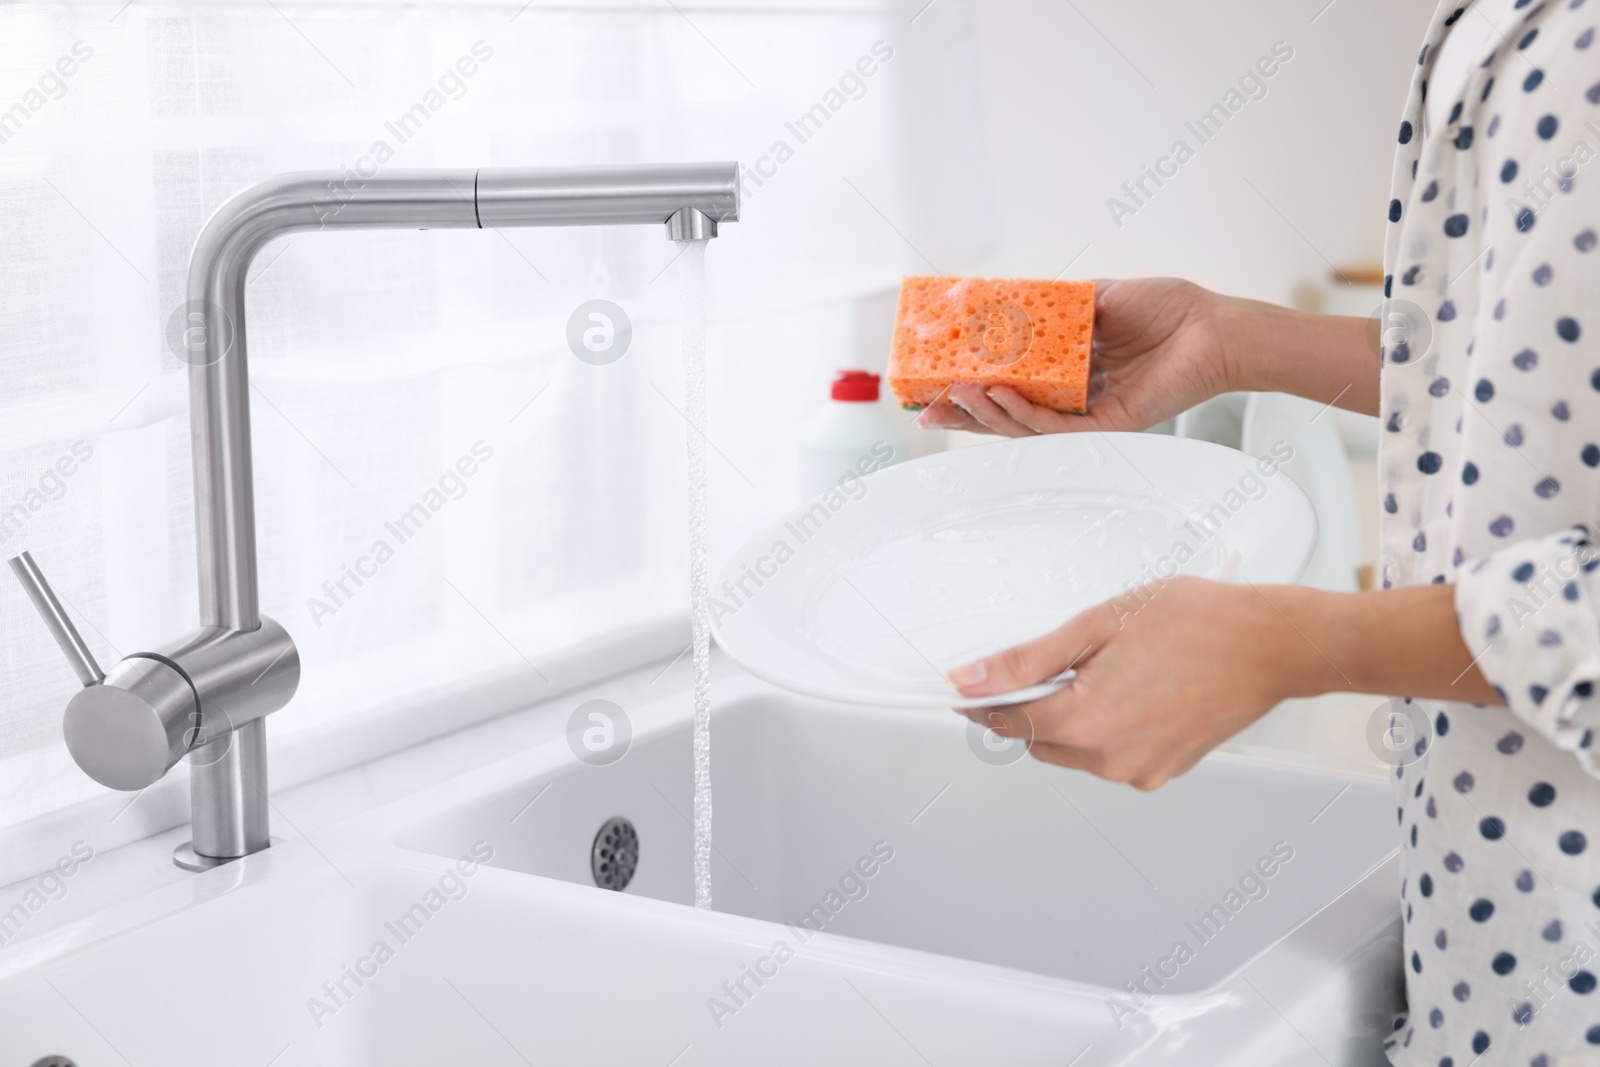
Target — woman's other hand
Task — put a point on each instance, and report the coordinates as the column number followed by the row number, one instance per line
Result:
column 1164, row 675
column 1168, row 671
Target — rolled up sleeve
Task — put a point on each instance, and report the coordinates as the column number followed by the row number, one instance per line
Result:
column 1528, row 612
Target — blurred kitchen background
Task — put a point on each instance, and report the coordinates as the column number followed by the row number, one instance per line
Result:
column 988, row 138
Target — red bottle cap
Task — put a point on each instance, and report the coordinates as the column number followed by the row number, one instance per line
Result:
column 858, row 385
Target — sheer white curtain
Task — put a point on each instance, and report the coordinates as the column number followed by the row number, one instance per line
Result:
column 382, row 360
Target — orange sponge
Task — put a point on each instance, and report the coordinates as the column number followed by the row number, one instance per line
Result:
column 1031, row 335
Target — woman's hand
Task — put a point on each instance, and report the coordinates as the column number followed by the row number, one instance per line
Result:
column 1164, row 675
column 1162, row 345
column 1158, row 350
column 1169, row 671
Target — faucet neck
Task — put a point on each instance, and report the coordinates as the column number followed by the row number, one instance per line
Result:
column 690, row 198
column 218, row 349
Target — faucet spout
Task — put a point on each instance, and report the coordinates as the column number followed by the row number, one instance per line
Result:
column 691, row 224
column 606, row 196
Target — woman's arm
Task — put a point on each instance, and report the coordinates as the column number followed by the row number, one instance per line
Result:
column 1162, row 345
column 1332, row 359
column 1404, row 642
column 1170, row 671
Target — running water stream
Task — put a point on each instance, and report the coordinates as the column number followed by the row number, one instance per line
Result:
column 692, row 278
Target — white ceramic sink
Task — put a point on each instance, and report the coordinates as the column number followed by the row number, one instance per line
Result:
column 1006, row 907
column 1024, row 865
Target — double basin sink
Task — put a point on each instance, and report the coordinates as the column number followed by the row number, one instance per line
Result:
column 891, row 888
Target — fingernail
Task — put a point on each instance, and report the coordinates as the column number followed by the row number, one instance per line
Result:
column 969, row 674
column 958, row 402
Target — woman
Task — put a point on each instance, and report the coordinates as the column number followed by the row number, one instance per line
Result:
column 1490, row 472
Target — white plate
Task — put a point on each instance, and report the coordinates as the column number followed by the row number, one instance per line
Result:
column 869, row 594
column 1276, row 423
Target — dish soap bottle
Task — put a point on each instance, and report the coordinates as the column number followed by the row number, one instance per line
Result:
column 849, row 437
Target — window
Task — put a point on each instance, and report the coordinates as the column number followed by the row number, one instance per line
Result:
column 381, row 360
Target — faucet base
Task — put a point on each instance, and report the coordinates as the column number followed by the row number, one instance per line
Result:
column 185, row 857
column 228, row 792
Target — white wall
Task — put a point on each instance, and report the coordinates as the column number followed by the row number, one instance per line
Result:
column 1077, row 96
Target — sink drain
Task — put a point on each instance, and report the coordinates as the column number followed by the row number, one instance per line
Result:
column 54, row 1061
column 615, row 854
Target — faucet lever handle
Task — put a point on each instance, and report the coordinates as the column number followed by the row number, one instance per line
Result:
column 56, row 619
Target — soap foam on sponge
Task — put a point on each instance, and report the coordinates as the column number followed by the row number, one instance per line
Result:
column 1031, row 335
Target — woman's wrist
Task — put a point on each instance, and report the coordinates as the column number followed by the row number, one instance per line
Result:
column 1393, row 642
column 1310, row 632
column 1241, row 326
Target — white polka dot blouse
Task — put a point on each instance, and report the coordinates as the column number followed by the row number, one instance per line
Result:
column 1490, row 480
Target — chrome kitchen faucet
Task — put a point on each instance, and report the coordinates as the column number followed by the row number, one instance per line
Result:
column 206, row 695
